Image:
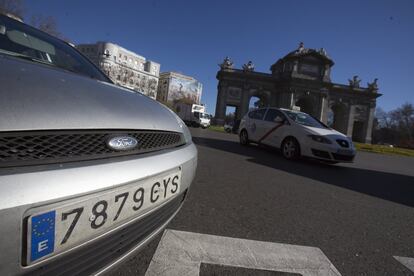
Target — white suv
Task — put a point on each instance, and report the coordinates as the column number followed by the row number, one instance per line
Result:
column 296, row 134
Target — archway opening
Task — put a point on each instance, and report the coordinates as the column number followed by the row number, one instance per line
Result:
column 337, row 117
column 257, row 102
column 305, row 105
column 230, row 114
column 358, row 131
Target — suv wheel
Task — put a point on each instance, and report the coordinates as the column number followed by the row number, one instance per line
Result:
column 244, row 138
column 290, row 148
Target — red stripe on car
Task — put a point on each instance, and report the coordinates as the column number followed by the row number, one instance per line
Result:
column 270, row 131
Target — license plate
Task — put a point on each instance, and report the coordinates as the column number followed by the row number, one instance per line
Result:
column 58, row 229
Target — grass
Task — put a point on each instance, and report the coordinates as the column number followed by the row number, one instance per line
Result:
column 217, row 128
column 384, row 149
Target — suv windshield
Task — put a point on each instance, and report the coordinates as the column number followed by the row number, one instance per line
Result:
column 203, row 116
column 304, row 119
column 22, row 41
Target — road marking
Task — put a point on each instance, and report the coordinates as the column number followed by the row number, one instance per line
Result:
column 181, row 253
column 407, row 262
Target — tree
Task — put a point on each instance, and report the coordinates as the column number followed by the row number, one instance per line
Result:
column 186, row 100
column 16, row 9
column 46, row 24
column 383, row 117
column 395, row 127
column 230, row 117
column 12, row 7
column 404, row 118
column 170, row 105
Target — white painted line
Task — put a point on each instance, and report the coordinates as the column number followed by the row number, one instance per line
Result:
column 181, row 253
column 407, row 262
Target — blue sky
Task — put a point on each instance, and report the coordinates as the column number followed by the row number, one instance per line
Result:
column 373, row 39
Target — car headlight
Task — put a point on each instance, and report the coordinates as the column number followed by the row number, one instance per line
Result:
column 320, row 139
column 187, row 135
column 186, row 132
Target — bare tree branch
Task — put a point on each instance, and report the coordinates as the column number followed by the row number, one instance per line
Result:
column 14, row 8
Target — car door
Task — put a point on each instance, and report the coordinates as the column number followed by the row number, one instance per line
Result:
column 254, row 124
column 274, row 124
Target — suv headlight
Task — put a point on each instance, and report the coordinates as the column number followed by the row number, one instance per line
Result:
column 186, row 132
column 187, row 135
column 320, row 139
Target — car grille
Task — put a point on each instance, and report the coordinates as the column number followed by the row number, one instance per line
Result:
column 98, row 254
column 343, row 143
column 37, row 148
column 342, row 157
column 321, row 153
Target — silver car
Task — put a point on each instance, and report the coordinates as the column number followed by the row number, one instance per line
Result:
column 89, row 172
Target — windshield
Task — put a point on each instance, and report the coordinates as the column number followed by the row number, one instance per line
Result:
column 304, row 119
column 204, row 116
column 22, row 41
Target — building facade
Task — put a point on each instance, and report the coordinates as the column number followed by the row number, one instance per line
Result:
column 174, row 86
column 123, row 67
column 302, row 79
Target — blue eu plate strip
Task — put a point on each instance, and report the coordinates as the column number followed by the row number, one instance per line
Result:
column 43, row 235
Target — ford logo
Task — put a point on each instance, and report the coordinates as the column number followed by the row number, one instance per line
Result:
column 122, row 143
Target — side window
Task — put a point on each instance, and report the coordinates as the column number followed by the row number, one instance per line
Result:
column 257, row 114
column 273, row 114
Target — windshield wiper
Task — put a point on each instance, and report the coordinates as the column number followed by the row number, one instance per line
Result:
column 26, row 57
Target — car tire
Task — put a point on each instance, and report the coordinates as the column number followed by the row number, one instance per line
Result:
column 244, row 138
column 290, row 148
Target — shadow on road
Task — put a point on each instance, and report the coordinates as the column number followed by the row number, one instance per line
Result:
column 389, row 186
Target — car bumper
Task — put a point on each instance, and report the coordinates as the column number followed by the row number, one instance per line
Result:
column 22, row 190
column 329, row 152
column 204, row 124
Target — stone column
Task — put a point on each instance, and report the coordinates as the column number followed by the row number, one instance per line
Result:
column 324, row 105
column 244, row 103
column 291, row 100
column 326, row 73
column 324, row 109
column 351, row 115
column 370, row 123
column 295, row 67
column 221, row 105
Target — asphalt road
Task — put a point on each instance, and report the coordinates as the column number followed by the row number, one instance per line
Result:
column 360, row 215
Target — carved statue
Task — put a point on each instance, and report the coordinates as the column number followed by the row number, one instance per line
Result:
column 248, row 67
column 373, row 86
column 301, row 47
column 354, row 83
column 323, row 52
column 227, row 63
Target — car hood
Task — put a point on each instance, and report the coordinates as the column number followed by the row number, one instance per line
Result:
column 38, row 97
